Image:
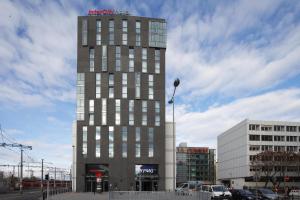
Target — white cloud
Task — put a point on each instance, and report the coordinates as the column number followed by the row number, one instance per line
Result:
column 37, row 49
column 202, row 128
column 233, row 51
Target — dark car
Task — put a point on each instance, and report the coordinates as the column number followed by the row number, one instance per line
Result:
column 264, row 193
column 239, row 194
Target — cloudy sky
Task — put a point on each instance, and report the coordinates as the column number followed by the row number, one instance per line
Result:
column 235, row 60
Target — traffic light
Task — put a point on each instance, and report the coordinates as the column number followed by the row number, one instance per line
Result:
column 47, row 177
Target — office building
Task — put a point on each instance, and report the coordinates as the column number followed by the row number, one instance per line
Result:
column 195, row 164
column 238, row 146
column 120, row 127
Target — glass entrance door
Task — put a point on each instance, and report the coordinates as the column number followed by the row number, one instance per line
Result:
column 146, row 185
column 90, row 184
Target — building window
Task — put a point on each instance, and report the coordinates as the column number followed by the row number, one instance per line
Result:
column 124, row 142
column 266, row 128
column 254, row 137
column 266, row 138
column 91, row 119
column 291, row 148
column 157, row 113
column 80, row 96
column 92, row 59
column 254, row 127
column 157, row 61
column 157, row 34
column 144, row 113
column 279, row 138
column 84, row 32
column 157, row 120
column 111, row 86
column 98, row 32
column 111, row 30
column 84, row 141
column 151, row 84
column 111, row 142
column 125, row 30
column 278, row 128
column 118, row 58
column 291, row 138
column 252, row 157
column 118, row 112
column 144, row 60
column 98, row 85
column 131, row 112
column 266, row 147
column 137, row 142
column 138, row 33
column 131, row 60
column 157, row 107
column 104, row 58
column 124, row 85
column 98, row 143
column 254, row 148
column 291, row 128
column 91, row 106
column 151, row 142
column 104, row 111
column 137, row 85
column 279, row 148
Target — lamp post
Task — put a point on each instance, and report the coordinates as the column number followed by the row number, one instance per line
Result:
column 172, row 101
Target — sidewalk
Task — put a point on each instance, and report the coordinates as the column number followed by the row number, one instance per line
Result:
column 80, row 196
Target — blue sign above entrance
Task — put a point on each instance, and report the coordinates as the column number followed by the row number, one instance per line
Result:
column 147, row 169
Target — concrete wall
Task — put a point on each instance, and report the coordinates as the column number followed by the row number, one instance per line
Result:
column 232, row 152
column 170, row 148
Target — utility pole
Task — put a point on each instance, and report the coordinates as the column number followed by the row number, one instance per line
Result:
column 42, row 172
column 54, row 177
column 22, row 147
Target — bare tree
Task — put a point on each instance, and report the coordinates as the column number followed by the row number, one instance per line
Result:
column 270, row 164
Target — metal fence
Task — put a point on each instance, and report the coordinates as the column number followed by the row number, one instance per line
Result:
column 53, row 192
column 160, row 195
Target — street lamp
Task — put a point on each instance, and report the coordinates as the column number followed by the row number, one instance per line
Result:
column 172, row 101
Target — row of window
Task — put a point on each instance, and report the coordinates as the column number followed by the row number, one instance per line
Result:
column 279, row 138
column 111, row 91
column 130, row 66
column 111, row 134
column 118, row 112
column 157, row 33
column 111, row 84
column 258, row 127
column 274, row 148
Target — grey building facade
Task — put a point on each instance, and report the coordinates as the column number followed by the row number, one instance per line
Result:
column 120, row 128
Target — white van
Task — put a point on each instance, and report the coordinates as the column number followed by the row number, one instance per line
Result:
column 190, row 186
column 217, row 191
column 295, row 193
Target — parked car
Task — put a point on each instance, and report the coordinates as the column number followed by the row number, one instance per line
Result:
column 239, row 194
column 190, row 186
column 217, row 191
column 294, row 193
column 264, row 193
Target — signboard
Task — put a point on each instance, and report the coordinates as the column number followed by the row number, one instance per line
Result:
column 192, row 150
column 97, row 170
column 95, row 12
column 147, row 169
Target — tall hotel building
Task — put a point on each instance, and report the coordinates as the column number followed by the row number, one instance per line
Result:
column 120, row 128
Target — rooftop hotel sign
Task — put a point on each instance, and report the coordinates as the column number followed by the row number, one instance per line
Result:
column 107, row 12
